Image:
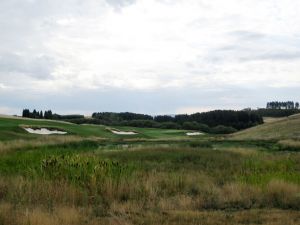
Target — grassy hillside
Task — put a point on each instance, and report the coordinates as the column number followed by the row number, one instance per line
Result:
column 92, row 176
column 285, row 128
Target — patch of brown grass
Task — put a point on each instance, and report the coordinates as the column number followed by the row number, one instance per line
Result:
column 281, row 194
column 285, row 128
column 251, row 217
column 241, row 151
column 10, row 215
column 20, row 191
column 8, row 146
column 63, row 215
column 290, row 144
column 147, row 201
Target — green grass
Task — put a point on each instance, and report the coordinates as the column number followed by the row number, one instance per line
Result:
column 156, row 177
column 222, row 165
column 10, row 129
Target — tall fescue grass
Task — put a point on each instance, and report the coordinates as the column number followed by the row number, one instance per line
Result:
column 290, row 145
column 155, row 191
column 64, row 215
column 7, row 146
column 78, row 183
column 81, row 169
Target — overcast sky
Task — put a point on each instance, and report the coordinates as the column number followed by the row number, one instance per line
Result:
column 148, row 56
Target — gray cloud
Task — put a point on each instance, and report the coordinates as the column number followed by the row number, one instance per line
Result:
column 39, row 67
column 245, row 35
column 274, row 56
column 283, row 55
column 246, row 54
column 120, row 3
column 75, row 46
column 169, row 101
column 255, row 46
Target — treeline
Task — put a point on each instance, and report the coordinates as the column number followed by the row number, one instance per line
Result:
column 278, row 109
column 218, row 121
column 276, row 112
column 112, row 117
column 283, row 105
column 48, row 115
column 37, row 114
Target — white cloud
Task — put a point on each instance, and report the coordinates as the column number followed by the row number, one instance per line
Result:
column 55, row 46
column 2, row 86
column 8, row 110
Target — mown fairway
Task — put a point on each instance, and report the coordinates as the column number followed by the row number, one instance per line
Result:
column 92, row 176
column 11, row 129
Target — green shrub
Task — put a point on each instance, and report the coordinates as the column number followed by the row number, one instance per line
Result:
column 190, row 125
column 200, row 144
column 170, row 125
column 82, row 169
column 223, row 130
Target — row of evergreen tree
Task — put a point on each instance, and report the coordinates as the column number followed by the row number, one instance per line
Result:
column 205, row 121
column 37, row 114
column 283, row 105
column 236, row 119
column 48, row 115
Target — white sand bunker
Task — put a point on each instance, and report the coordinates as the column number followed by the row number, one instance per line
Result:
column 123, row 132
column 43, row 131
column 194, row 133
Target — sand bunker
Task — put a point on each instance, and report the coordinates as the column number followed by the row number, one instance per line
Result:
column 43, row 131
column 194, row 133
column 123, row 132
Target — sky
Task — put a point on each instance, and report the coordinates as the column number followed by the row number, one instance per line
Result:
column 147, row 56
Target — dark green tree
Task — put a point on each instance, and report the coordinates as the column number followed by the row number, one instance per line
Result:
column 26, row 113
column 35, row 114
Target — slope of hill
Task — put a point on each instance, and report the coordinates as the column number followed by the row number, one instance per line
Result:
column 286, row 128
column 93, row 176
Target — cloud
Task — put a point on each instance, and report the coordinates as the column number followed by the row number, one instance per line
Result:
column 148, row 46
column 120, row 3
column 8, row 111
column 280, row 56
column 254, row 46
column 243, row 35
column 39, row 67
column 2, row 86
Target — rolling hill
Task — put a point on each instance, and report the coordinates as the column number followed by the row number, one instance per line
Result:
column 285, row 128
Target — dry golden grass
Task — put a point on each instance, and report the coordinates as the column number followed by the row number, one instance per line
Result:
column 40, row 192
column 290, row 143
column 155, row 191
column 282, row 194
column 38, row 202
column 241, row 150
column 251, row 217
column 286, row 128
column 150, row 197
column 272, row 119
column 7, row 146
column 62, row 215
column 9, row 215
column 236, row 195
